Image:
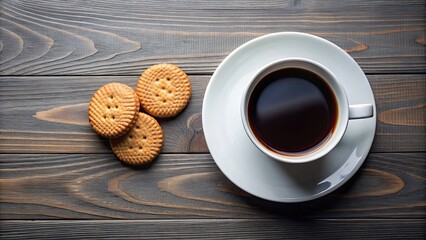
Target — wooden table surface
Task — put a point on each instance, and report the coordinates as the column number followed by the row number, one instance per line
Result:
column 59, row 180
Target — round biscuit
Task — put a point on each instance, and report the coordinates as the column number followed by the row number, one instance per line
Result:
column 113, row 110
column 141, row 144
column 163, row 90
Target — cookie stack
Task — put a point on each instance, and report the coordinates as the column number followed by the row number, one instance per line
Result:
column 136, row 138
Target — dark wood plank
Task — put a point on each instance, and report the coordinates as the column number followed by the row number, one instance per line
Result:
column 123, row 38
column 97, row 186
column 49, row 115
column 215, row 229
column 401, row 112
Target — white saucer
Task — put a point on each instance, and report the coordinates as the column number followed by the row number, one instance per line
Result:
column 248, row 167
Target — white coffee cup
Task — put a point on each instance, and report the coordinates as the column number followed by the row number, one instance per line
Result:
column 345, row 112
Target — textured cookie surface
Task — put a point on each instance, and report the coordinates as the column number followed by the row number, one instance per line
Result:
column 163, row 90
column 113, row 110
column 141, row 144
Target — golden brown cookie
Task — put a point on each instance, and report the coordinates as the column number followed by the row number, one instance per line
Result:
column 141, row 144
column 163, row 90
column 113, row 110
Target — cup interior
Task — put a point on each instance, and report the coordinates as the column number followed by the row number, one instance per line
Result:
column 329, row 142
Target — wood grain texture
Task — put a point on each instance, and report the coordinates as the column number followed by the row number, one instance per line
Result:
column 179, row 186
column 59, row 180
column 122, row 38
column 215, row 229
column 50, row 115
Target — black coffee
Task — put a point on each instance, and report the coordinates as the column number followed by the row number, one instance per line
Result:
column 292, row 110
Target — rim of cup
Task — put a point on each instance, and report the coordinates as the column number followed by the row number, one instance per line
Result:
column 329, row 142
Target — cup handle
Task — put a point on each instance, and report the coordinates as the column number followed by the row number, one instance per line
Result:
column 360, row 111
